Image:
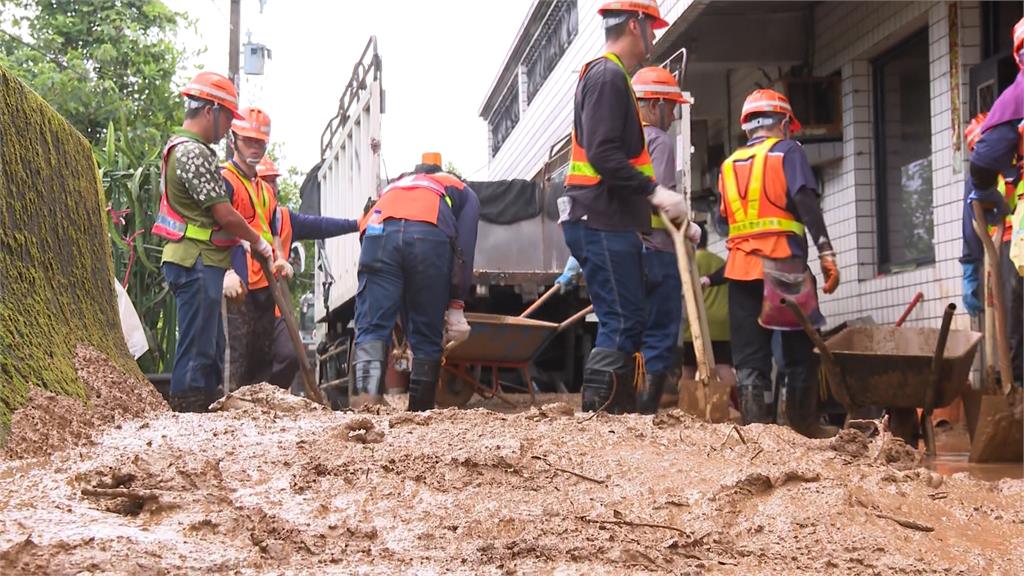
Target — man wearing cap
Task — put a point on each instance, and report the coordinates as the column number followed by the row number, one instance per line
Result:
column 418, row 242
column 200, row 226
column 610, row 191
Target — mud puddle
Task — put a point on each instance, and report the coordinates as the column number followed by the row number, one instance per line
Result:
column 271, row 485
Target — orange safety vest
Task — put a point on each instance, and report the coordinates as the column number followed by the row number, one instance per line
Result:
column 581, row 172
column 414, row 197
column 257, row 206
column 753, row 187
column 170, row 225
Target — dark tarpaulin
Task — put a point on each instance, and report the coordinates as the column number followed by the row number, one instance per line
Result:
column 507, row 201
column 309, row 192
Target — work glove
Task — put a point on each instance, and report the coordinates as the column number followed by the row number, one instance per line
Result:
column 972, row 288
column 693, row 233
column 282, row 268
column 570, row 276
column 705, row 282
column 830, row 270
column 456, row 329
column 669, row 202
column 264, row 248
column 233, row 288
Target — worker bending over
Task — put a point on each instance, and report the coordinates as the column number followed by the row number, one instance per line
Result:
column 294, row 227
column 200, row 226
column 250, row 302
column 998, row 154
column 418, row 242
column 658, row 94
column 769, row 194
column 610, row 190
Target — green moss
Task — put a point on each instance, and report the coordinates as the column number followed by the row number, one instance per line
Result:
column 55, row 262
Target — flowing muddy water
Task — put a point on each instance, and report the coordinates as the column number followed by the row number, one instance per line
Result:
column 273, row 484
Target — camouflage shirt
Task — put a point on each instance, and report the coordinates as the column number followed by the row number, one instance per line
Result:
column 194, row 185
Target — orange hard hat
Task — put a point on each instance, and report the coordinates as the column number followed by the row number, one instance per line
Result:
column 431, row 158
column 254, row 123
column 648, row 8
column 1018, row 42
column 656, row 83
column 973, row 132
column 266, row 168
column 767, row 100
column 215, row 88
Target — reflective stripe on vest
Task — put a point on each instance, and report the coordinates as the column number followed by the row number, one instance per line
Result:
column 581, row 172
column 260, row 208
column 746, row 220
column 172, row 226
column 405, row 199
column 1009, row 192
column 419, row 181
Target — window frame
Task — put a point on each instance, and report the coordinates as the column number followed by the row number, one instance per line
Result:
column 882, row 253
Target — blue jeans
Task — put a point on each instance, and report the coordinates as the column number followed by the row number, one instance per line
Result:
column 406, row 268
column 199, row 359
column 664, row 309
column 612, row 265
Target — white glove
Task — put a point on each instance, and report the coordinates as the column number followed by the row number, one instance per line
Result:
column 670, row 202
column 705, row 282
column 456, row 329
column 283, row 268
column 264, row 248
column 693, row 233
column 233, row 288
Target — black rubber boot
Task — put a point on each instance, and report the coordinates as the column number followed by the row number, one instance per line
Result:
column 752, row 388
column 194, row 401
column 367, row 374
column 423, row 384
column 608, row 372
column 802, row 412
column 649, row 400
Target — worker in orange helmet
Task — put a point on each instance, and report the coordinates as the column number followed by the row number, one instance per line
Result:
column 249, row 301
column 769, row 196
column 997, row 160
column 200, row 225
column 658, row 94
column 610, row 192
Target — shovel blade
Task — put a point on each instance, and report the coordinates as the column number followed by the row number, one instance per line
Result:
column 999, row 436
column 705, row 401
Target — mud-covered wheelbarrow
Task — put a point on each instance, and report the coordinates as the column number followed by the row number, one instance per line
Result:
column 897, row 368
column 496, row 342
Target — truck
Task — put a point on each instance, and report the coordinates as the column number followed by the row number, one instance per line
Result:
column 520, row 249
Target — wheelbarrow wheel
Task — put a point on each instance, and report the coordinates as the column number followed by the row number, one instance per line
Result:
column 452, row 391
column 903, row 423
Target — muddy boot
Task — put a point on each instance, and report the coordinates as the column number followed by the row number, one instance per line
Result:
column 367, row 374
column 602, row 372
column 753, row 389
column 649, row 399
column 194, row 400
column 423, row 384
column 802, row 412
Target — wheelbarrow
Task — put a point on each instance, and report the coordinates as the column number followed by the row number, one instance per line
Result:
column 496, row 342
column 897, row 367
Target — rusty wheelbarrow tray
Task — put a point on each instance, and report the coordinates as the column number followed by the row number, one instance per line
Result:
column 898, row 367
column 496, row 342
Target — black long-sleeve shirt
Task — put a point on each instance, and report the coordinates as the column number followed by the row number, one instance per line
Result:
column 607, row 126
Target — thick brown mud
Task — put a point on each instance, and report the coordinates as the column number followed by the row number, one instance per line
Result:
column 272, row 484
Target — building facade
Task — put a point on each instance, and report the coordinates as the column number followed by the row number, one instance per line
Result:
column 884, row 89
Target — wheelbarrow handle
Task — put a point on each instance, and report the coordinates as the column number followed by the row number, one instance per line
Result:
column 540, row 301
column 574, row 319
column 934, row 378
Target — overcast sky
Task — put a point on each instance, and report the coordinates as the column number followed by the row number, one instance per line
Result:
column 439, row 58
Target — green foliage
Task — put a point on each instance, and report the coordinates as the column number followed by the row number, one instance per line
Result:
column 98, row 63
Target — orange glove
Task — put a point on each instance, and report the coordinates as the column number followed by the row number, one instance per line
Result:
column 830, row 270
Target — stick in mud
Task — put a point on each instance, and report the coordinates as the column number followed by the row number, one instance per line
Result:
column 140, row 495
column 637, row 524
column 906, row 523
column 567, row 471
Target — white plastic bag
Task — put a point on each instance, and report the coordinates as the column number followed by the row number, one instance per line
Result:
column 131, row 325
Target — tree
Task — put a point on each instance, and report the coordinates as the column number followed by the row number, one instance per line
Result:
column 98, row 63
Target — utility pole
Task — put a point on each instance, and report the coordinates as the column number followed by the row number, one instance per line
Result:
column 234, row 49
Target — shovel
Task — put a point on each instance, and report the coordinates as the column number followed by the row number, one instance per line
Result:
column 282, row 297
column 707, row 397
column 999, row 436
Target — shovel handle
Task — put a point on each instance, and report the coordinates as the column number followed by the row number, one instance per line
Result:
column 1002, row 337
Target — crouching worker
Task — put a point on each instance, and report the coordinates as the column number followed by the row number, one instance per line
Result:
column 418, row 241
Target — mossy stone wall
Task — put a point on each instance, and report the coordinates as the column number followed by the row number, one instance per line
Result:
column 55, row 267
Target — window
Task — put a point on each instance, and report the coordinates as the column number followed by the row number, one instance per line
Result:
column 997, row 19
column 903, row 152
column 505, row 117
column 554, row 37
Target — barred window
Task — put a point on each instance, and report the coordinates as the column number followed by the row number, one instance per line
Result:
column 552, row 40
column 505, row 117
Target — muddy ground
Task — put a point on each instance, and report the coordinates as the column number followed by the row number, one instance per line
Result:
column 273, row 484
